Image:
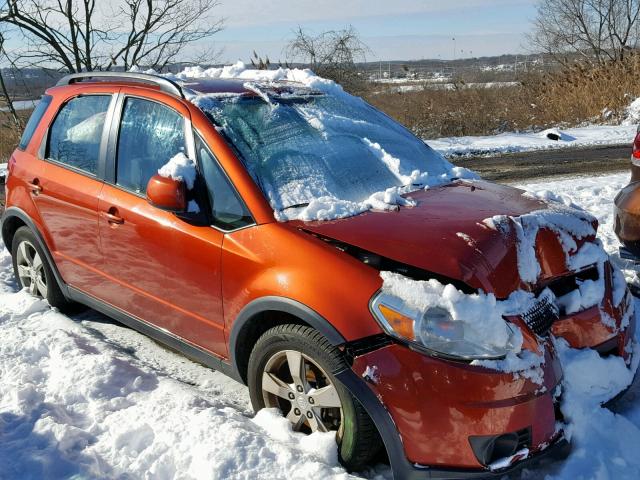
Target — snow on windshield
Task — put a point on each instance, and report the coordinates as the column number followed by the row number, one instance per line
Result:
column 321, row 153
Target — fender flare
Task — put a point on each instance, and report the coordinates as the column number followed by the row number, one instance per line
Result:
column 284, row 305
column 15, row 212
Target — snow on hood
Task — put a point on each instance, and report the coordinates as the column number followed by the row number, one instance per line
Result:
column 318, row 196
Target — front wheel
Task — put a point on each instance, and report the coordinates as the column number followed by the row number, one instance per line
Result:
column 292, row 368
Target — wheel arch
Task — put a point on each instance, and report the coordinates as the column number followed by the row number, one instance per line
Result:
column 264, row 313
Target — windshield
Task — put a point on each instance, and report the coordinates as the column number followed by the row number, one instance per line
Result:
column 304, row 148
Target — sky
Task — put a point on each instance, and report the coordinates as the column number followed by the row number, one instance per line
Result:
column 393, row 29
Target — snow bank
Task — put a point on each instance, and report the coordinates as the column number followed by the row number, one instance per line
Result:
column 89, row 399
column 550, row 139
column 514, row 142
column 605, row 443
column 632, row 113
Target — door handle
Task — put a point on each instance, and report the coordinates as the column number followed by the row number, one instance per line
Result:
column 35, row 186
column 112, row 218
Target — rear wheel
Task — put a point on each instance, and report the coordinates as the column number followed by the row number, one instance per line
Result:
column 33, row 271
column 292, row 368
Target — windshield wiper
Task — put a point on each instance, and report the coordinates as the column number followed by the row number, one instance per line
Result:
column 297, row 205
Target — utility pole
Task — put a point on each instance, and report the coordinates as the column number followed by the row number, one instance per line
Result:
column 454, row 48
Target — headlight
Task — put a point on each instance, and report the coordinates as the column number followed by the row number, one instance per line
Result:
column 434, row 330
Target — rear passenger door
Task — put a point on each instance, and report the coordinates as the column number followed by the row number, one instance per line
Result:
column 160, row 268
column 66, row 190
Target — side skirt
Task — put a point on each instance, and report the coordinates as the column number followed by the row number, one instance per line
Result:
column 162, row 336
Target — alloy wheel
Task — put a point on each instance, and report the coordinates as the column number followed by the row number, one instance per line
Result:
column 31, row 269
column 303, row 391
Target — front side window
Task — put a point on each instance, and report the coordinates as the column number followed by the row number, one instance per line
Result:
column 150, row 135
column 229, row 212
column 76, row 133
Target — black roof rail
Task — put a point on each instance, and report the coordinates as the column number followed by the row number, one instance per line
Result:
column 166, row 85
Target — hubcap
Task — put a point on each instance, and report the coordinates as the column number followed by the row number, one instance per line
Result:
column 31, row 269
column 302, row 390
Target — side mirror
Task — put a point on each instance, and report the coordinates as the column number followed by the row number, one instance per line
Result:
column 167, row 194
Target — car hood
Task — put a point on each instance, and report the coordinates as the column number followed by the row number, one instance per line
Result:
column 444, row 234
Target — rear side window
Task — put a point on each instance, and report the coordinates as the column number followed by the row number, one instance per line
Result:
column 229, row 212
column 150, row 135
column 76, row 133
column 34, row 121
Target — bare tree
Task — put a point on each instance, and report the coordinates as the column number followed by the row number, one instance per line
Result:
column 77, row 35
column 4, row 92
column 595, row 30
column 332, row 54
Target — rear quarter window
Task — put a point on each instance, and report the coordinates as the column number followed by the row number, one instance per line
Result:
column 34, row 121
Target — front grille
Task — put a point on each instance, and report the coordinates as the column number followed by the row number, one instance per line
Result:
column 540, row 317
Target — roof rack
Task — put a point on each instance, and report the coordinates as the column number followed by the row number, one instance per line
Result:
column 166, row 85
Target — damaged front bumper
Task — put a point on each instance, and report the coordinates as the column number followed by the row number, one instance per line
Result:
column 587, row 329
column 444, row 419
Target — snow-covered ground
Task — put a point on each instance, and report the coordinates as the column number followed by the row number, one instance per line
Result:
column 579, row 137
column 82, row 397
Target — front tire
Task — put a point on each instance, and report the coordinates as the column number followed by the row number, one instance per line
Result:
column 32, row 270
column 292, row 367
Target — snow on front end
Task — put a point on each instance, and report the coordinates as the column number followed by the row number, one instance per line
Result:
column 483, row 319
column 575, row 231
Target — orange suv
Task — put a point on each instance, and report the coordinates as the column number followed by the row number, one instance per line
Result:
column 309, row 246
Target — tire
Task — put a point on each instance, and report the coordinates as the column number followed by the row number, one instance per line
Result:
column 25, row 239
column 357, row 436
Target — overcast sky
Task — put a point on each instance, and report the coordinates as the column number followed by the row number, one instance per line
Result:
column 393, row 29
